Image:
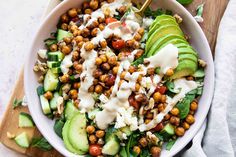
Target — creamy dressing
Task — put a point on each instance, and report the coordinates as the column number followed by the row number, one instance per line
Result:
column 86, row 99
column 186, row 86
column 66, row 63
column 147, row 22
column 166, row 58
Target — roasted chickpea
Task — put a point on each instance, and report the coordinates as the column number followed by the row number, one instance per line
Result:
column 110, row 1
column 161, row 107
column 73, row 28
column 147, row 121
column 131, row 69
column 92, row 139
column 174, row 120
column 106, row 66
column 103, row 78
column 101, row 27
column 64, row 18
column 194, row 106
column 141, row 31
column 91, row 89
column 93, row 4
column 139, row 54
column 122, row 75
column 94, row 32
column 72, row 12
column 101, row 20
column 140, row 77
column 174, row 111
column 149, row 115
column 48, row 95
column 79, row 11
column 90, row 129
column 85, row 32
column 86, row 39
column 167, row 117
column 163, row 98
column 80, row 44
column 66, row 50
column 78, row 39
column 137, row 37
column 157, row 96
column 79, row 68
column 75, row 55
column 98, row 89
column 112, row 60
column 151, row 71
column 89, row 46
column 129, row 43
column 100, row 133
column 53, row 47
column 143, row 142
column 104, row 58
column 103, row 44
column 137, row 87
column 190, row 78
column 73, row 93
column 122, row 9
column 97, row 73
column 190, row 119
column 65, row 78
column 155, row 151
column 179, row 131
column 64, row 26
column 85, row 5
column 170, row 72
column 115, row 70
column 186, row 126
column 95, row 81
column 76, row 85
column 137, row 150
column 98, row 61
column 67, row 40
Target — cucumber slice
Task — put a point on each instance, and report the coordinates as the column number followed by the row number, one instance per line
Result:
column 62, row 34
column 55, row 56
column 126, row 130
column 40, row 90
column 66, row 140
column 25, row 120
column 112, row 147
column 45, row 105
column 70, row 110
column 77, row 134
column 53, row 64
column 22, row 140
column 50, row 81
column 53, row 102
column 56, row 70
column 167, row 131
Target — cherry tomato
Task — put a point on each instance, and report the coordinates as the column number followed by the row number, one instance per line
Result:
column 110, row 20
column 118, row 44
column 133, row 102
column 95, row 150
column 111, row 80
column 158, row 127
column 161, row 89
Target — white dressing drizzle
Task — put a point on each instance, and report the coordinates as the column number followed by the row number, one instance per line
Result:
column 186, row 86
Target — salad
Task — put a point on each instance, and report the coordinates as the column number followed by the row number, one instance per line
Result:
column 118, row 84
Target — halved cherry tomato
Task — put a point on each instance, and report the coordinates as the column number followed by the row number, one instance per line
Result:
column 158, row 127
column 161, row 89
column 133, row 102
column 110, row 20
column 118, row 44
column 95, row 150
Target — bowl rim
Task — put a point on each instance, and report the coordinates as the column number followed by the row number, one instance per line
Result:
column 210, row 63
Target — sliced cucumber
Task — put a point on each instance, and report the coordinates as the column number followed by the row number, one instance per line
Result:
column 53, row 64
column 56, row 70
column 77, row 134
column 112, row 146
column 55, row 56
column 22, row 140
column 53, row 102
column 70, row 110
column 167, row 131
column 50, row 81
column 25, row 120
column 40, row 90
column 62, row 34
column 45, row 105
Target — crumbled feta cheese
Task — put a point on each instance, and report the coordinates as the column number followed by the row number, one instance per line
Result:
column 24, row 101
column 42, row 53
column 147, row 22
column 103, row 98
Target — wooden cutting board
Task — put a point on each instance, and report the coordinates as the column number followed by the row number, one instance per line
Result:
column 212, row 15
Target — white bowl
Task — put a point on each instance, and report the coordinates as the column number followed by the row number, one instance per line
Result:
column 191, row 28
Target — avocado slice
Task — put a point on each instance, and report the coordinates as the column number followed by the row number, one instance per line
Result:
column 66, row 140
column 188, row 50
column 160, row 23
column 185, row 68
column 160, row 17
column 159, row 45
column 183, row 45
column 161, row 32
column 188, row 56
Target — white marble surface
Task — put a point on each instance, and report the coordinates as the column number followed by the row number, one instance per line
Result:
column 19, row 21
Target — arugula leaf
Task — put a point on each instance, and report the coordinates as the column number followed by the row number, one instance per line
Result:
column 118, row 17
column 183, row 107
column 123, row 152
column 145, row 153
column 59, row 123
column 41, row 143
column 16, row 103
column 149, row 12
column 171, row 87
column 170, row 144
column 133, row 140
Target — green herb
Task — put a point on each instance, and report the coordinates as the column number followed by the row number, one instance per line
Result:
column 40, row 90
column 170, row 144
column 145, row 153
column 118, row 17
column 199, row 73
column 185, row 2
column 171, row 87
column 48, row 42
column 59, row 123
column 41, row 143
column 17, row 103
column 150, row 13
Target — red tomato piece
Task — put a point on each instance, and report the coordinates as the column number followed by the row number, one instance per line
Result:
column 118, row 44
column 110, row 20
column 95, row 150
column 158, row 127
column 161, row 89
column 133, row 102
